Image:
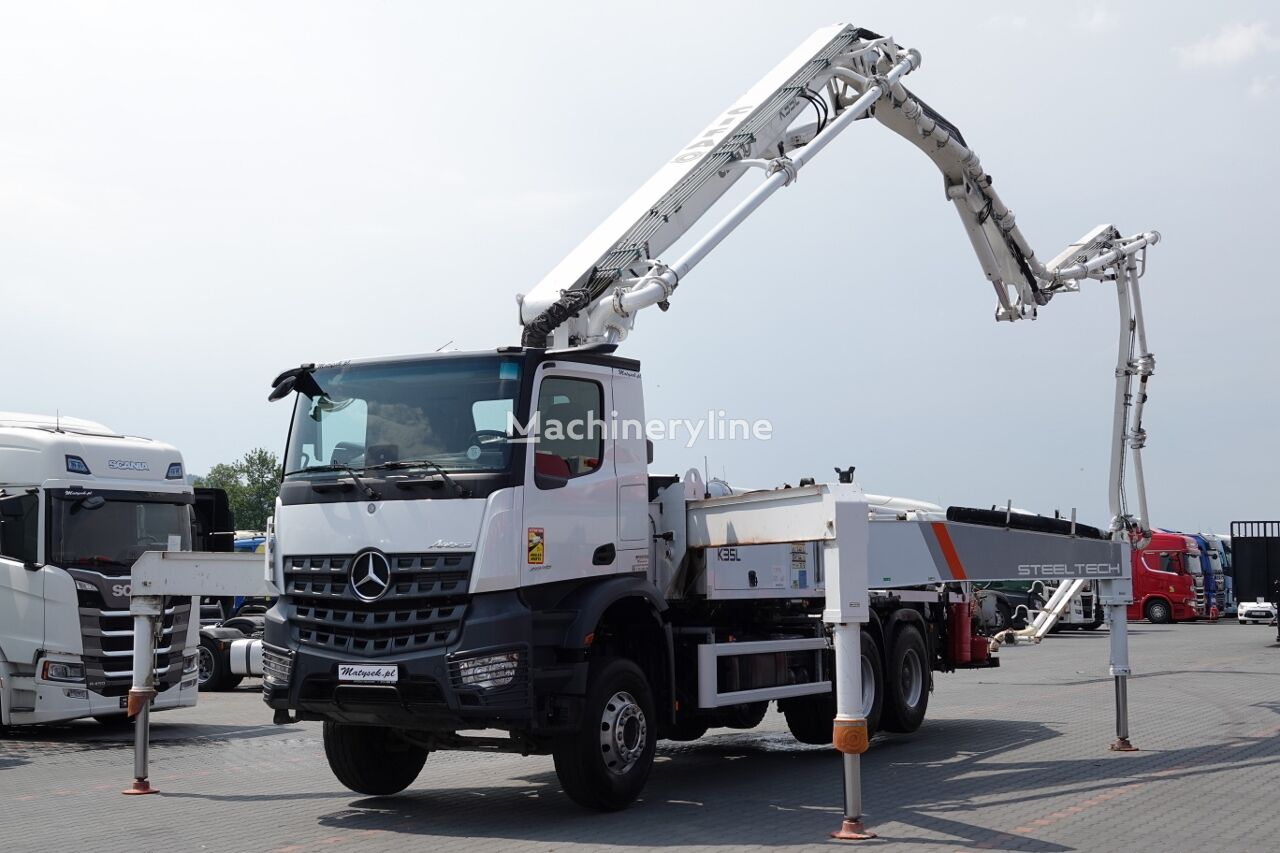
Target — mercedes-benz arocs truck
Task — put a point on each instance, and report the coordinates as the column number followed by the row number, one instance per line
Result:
column 475, row 541
column 79, row 503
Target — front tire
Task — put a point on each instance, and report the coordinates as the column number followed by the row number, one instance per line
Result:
column 907, row 681
column 372, row 760
column 605, row 764
column 214, row 667
column 1158, row 612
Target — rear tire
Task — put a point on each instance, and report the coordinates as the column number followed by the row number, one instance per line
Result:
column 113, row 721
column 372, row 760
column 1004, row 616
column 604, row 765
column 907, row 682
column 1158, row 612
column 811, row 719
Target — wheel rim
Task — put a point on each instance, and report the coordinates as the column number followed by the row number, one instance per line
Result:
column 204, row 658
column 624, row 733
column 868, row 687
column 911, row 678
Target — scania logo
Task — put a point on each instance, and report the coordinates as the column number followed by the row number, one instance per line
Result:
column 370, row 576
column 127, row 465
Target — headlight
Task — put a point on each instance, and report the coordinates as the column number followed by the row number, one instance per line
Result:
column 489, row 672
column 189, row 664
column 56, row 670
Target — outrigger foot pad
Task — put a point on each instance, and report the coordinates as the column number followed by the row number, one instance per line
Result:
column 1121, row 744
column 140, row 786
column 853, row 830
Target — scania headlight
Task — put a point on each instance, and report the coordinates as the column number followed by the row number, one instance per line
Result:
column 189, row 664
column 57, row 670
column 489, row 672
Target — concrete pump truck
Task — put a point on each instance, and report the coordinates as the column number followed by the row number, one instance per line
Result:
column 460, row 543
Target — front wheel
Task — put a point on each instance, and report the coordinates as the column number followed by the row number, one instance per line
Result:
column 605, row 764
column 214, row 667
column 1158, row 612
column 372, row 760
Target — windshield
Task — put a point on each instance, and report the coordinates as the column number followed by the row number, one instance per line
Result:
column 452, row 411
column 111, row 535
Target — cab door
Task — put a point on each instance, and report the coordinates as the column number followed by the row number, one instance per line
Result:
column 21, row 588
column 570, row 486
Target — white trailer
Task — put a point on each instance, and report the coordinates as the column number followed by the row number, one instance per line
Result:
column 78, row 504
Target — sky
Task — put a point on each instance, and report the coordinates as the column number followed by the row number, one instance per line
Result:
column 194, row 197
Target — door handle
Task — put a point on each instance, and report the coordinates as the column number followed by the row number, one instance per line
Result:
column 604, row 555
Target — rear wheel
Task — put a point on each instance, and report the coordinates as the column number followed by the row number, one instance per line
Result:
column 605, row 764
column 113, row 721
column 1158, row 612
column 906, row 682
column 372, row 760
column 811, row 718
column 1004, row 616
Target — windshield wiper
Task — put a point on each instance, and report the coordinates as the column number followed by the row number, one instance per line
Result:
column 369, row 491
column 458, row 489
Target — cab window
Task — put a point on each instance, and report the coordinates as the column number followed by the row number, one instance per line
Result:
column 570, row 427
column 19, row 526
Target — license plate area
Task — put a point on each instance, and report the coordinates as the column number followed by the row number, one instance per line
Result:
column 368, row 673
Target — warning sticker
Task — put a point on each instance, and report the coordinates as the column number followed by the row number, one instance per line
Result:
column 535, row 546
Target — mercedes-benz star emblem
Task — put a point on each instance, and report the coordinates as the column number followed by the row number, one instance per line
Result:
column 370, row 576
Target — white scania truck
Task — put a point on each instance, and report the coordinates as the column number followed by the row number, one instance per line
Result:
column 439, row 575
column 79, row 503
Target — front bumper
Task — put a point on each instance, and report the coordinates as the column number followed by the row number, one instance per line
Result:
column 1255, row 615
column 430, row 695
column 61, row 702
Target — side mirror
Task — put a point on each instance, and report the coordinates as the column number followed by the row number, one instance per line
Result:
column 283, row 389
column 549, row 481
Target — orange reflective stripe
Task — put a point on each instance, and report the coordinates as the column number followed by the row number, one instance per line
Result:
column 949, row 551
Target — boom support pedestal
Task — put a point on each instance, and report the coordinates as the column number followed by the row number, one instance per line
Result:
column 155, row 576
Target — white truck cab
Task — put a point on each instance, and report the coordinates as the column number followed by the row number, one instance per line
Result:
column 79, row 503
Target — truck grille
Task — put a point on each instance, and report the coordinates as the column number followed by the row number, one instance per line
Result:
column 108, row 645
column 423, row 607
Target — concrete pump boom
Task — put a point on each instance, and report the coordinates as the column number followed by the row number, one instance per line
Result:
column 844, row 73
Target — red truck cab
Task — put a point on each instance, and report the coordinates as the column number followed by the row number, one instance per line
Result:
column 1163, row 590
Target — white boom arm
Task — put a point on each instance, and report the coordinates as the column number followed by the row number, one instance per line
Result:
column 844, row 73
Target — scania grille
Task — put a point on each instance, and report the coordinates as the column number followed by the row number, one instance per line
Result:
column 423, row 607
column 108, row 645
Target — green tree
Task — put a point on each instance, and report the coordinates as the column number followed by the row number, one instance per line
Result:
column 251, row 484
